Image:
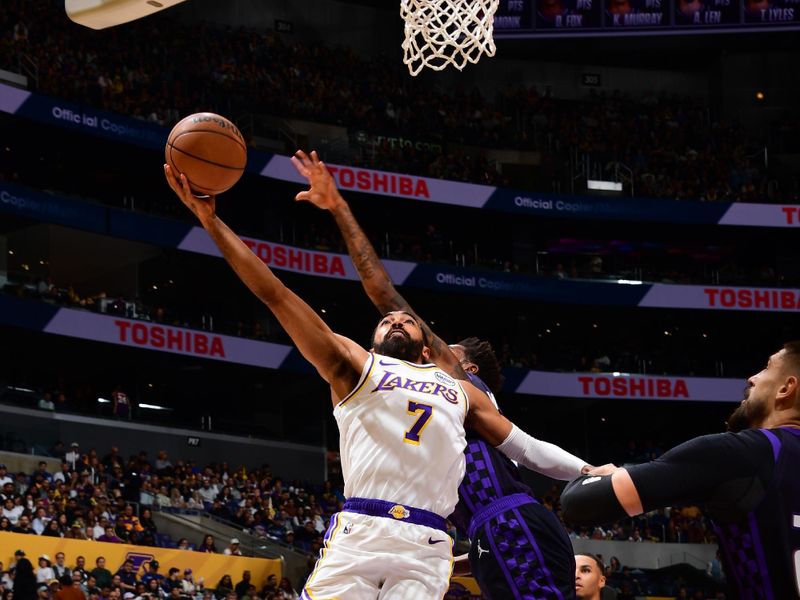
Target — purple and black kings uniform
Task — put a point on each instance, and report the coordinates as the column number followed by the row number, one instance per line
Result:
column 749, row 483
column 520, row 550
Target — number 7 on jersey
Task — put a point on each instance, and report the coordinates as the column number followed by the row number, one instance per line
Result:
column 425, row 412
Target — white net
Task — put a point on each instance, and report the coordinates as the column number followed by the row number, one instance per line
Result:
column 439, row 33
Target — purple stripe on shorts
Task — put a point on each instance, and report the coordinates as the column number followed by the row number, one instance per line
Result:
column 499, row 560
column 331, row 526
column 762, row 560
column 382, row 508
column 532, row 539
column 497, row 507
column 776, row 443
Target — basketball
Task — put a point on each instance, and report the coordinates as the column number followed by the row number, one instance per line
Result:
column 209, row 150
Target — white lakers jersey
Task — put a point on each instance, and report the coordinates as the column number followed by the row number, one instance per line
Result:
column 402, row 435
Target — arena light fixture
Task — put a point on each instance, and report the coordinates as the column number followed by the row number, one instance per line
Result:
column 629, row 282
column 101, row 14
column 103, row 401
column 154, row 407
column 604, row 186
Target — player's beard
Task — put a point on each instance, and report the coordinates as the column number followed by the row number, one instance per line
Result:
column 748, row 414
column 400, row 346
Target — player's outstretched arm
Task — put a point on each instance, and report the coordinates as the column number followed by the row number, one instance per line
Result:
column 692, row 472
column 337, row 359
column 324, row 194
column 542, row 457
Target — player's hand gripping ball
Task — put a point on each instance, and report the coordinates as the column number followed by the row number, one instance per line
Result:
column 209, row 150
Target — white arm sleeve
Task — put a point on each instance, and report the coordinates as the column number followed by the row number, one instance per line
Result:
column 542, row 457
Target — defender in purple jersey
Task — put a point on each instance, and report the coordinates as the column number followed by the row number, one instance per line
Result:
column 519, row 549
column 748, row 479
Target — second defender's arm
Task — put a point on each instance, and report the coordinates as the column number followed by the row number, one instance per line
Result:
column 729, row 471
column 376, row 281
column 337, row 359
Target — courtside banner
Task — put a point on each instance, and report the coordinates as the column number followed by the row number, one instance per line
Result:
column 166, row 338
column 761, row 215
column 631, row 387
column 80, row 117
column 86, row 325
column 169, row 233
column 124, row 129
column 514, row 285
column 413, row 187
column 661, row 295
column 211, row 567
column 296, row 260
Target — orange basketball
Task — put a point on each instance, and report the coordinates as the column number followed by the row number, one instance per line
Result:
column 209, row 150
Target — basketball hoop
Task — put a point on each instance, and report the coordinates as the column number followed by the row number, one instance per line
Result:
column 439, row 33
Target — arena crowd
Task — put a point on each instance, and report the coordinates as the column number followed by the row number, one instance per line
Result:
column 676, row 146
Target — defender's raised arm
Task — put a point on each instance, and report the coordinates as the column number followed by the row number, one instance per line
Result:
column 324, row 194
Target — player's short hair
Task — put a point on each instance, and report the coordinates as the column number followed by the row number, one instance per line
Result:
column 596, row 560
column 792, row 349
column 482, row 354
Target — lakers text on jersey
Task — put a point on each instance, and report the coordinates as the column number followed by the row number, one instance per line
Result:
column 402, row 441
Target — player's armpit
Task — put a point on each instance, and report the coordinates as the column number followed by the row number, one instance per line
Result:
column 484, row 417
column 593, row 500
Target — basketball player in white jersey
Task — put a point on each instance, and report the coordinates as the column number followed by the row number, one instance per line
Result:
column 402, row 435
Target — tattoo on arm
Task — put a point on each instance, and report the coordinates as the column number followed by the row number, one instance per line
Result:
column 379, row 286
column 365, row 259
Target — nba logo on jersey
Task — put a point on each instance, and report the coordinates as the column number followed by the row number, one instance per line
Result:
column 399, row 512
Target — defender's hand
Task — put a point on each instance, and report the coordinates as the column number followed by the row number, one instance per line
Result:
column 607, row 469
column 203, row 208
column 323, row 192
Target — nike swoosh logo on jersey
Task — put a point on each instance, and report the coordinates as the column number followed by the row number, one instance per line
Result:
column 385, row 364
column 433, row 541
column 590, row 480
